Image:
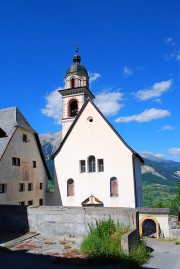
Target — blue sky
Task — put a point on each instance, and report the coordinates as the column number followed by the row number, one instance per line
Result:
column 130, row 48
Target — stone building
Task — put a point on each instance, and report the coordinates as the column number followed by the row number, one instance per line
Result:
column 94, row 166
column 23, row 171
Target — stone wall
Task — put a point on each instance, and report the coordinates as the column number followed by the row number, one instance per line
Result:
column 174, row 233
column 61, row 220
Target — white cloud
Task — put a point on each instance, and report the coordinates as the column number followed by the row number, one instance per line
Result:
column 166, row 128
column 169, row 41
column 154, row 91
column 178, row 57
column 174, row 151
column 53, row 106
column 109, row 102
column 145, row 116
column 127, row 71
column 93, row 76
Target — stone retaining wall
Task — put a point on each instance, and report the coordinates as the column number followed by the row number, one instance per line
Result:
column 61, row 220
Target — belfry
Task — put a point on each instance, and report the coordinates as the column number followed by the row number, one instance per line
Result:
column 76, row 92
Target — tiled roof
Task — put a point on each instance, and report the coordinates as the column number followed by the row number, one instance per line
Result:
column 10, row 119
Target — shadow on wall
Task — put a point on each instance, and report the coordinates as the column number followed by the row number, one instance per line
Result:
column 14, row 218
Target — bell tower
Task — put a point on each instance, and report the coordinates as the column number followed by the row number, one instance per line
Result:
column 76, row 92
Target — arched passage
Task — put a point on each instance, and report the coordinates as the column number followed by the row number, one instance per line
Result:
column 152, row 222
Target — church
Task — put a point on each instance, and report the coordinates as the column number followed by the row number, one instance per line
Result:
column 94, row 166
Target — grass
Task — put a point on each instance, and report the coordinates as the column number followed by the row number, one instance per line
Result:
column 103, row 243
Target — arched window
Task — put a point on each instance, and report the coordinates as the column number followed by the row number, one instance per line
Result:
column 70, row 187
column 73, row 108
column 92, row 164
column 72, row 83
column 113, row 187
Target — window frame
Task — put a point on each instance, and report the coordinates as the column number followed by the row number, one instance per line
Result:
column 34, row 164
column 30, row 202
column 100, row 165
column 82, row 166
column 3, row 187
column 91, row 164
column 30, row 186
column 21, row 187
column 114, row 192
column 70, row 182
column 16, row 161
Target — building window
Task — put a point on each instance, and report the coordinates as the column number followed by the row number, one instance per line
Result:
column 40, row 186
column 70, row 187
column 73, row 108
column 82, row 166
column 15, row 161
column 3, row 188
column 113, row 187
column 92, row 164
column 21, row 187
column 40, row 201
column 72, row 83
column 34, row 164
column 100, row 165
column 30, row 202
column 21, row 203
column 30, row 186
column 25, row 138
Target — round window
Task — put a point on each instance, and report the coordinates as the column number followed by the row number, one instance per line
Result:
column 90, row 119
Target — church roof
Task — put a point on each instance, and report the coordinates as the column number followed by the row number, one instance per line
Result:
column 77, row 68
column 75, row 121
column 10, row 119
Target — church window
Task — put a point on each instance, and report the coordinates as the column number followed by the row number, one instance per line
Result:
column 73, row 108
column 25, row 138
column 82, row 166
column 34, row 164
column 40, row 186
column 70, row 187
column 72, row 83
column 90, row 119
column 92, row 164
column 100, row 165
column 113, row 187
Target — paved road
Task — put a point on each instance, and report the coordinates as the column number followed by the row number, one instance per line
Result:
column 166, row 255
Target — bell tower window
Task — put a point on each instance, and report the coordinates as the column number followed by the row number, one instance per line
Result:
column 73, row 108
column 72, row 83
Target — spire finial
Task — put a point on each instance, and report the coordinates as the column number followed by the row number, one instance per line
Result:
column 77, row 57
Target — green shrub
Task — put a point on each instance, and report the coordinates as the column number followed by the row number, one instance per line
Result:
column 104, row 243
column 104, row 239
column 139, row 253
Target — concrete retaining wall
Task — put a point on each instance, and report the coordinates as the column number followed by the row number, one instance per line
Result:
column 61, row 220
column 128, row 239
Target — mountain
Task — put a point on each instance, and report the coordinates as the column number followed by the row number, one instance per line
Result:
column 159, row 176
column 50, row 143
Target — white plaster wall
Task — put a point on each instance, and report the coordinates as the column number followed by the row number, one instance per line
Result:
column 13, row 175
column 95, row 138
column 162, row 220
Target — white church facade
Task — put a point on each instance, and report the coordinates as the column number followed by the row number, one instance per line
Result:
column 94, row 166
